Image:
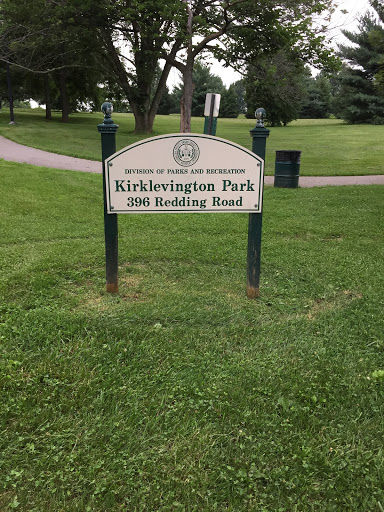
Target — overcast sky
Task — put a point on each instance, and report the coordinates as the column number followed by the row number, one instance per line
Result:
column 340, row 21
column 349, row 21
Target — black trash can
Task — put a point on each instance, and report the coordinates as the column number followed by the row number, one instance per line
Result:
column 287, row 169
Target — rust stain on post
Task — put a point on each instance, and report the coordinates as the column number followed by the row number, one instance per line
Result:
column 112, row 288
column 252, row 292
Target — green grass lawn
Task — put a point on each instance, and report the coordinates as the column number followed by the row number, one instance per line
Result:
column 329, row 147
column 179, row 393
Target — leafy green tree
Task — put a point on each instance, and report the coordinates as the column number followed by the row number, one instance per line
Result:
column 359, row 99
column 130, row 37
column 46, row 39
column 276, row 83
column 247, row 29
column 19, row 91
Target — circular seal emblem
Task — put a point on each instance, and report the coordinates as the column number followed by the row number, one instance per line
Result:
column 186, row 152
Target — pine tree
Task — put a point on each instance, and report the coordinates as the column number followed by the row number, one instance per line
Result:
column 377, row 39
column 317, row 104
column 204, row 82
column 229, row 103
column 360, row 99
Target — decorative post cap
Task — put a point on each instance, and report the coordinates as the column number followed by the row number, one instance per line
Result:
column 260, row 115
column 107, row 109
column 107, row 126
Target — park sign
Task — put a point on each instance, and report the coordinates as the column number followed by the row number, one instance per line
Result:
column 184, row 172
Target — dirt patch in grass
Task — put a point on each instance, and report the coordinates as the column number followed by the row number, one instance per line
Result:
column 92, row 296
column 322, row 305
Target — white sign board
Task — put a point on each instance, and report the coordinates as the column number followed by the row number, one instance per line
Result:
column 184, row 172
column 208, row 103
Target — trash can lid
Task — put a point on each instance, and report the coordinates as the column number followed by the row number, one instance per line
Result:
column 284, row 155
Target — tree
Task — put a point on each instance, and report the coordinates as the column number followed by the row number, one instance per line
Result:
column 359, row 99
column 276, row 83
column 166, row 103
column 239, row 88
column 45, row 39
column 204, row 82
column 317, row 102
column 377, row 40
column 175, row 99
column 229, row 106
column 12, row 87
column 131, row 37
column 247, row 29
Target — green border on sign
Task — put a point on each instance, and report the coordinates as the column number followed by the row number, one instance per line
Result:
column 187, row 135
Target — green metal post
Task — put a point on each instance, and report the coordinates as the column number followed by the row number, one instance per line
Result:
column 108, row 147
column 259, row 135
column 210, row 125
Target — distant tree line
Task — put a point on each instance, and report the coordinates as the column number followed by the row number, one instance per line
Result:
column 278, row 79
column 283, row 85
column 232, row 98
column 128, row 48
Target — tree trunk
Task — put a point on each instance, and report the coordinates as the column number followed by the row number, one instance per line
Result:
column 143, row 124
column 47, row 95
column 10, row 94
column 143, row 119
column 64, row 99
column 186, row 99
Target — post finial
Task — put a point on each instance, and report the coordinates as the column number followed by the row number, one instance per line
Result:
column 107, row 109
column 260, row 115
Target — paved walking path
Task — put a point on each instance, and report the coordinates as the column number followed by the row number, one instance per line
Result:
column 14, row 152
